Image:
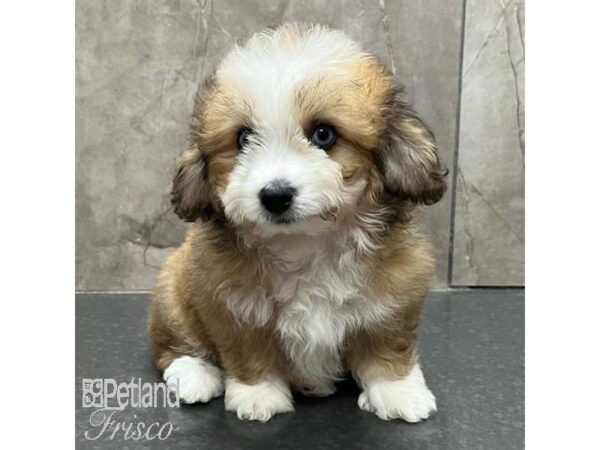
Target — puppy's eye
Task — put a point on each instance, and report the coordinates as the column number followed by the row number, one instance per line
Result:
column 243, row 135
column 323, row 136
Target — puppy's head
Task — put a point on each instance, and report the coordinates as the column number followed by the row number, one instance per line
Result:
column 297, row 128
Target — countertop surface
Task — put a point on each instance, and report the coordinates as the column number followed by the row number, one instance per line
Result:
column 471, row 350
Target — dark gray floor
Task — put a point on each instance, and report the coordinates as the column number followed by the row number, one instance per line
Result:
column 471, row 345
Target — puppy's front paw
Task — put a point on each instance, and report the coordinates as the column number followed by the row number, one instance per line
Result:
column 258, row 401
column 198, row 380
column 408, row 398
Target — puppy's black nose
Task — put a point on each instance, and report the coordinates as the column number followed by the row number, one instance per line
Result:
column 277, row 197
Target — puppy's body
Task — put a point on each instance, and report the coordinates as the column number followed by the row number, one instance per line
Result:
column 334, row 283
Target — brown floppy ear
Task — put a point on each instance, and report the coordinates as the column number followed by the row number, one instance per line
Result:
column 410, row 165
column 190, row 194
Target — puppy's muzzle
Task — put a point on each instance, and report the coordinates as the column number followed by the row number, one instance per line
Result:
column 277, row 197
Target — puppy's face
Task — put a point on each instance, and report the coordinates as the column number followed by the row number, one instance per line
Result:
column 299, row 128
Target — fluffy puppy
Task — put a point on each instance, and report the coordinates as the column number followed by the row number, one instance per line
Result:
column 303, row 263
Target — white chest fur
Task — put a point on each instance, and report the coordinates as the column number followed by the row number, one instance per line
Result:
column 320, row 295
column 313, row 326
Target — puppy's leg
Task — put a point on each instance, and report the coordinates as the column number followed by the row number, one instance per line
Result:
column 255, row 387
column 196, row 379
column 405, row 398
column 258, row 400
column 185, row 363
column 386, row 366
column 182, row 349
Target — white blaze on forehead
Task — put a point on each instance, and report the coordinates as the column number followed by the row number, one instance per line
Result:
column 274, row 64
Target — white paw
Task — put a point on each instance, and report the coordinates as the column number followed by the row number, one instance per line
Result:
column 198, row 379
column 258, row 401
column 408, row 398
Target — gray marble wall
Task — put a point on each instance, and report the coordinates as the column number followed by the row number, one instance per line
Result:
column 488, row 244
column 138, row 64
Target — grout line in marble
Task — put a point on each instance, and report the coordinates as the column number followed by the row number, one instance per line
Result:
column 456, row 148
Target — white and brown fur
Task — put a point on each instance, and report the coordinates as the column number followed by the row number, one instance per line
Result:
column 256, row 309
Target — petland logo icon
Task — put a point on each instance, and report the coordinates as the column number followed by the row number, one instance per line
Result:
column 111, row 398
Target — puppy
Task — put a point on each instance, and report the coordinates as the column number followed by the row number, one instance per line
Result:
column 303, row 264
